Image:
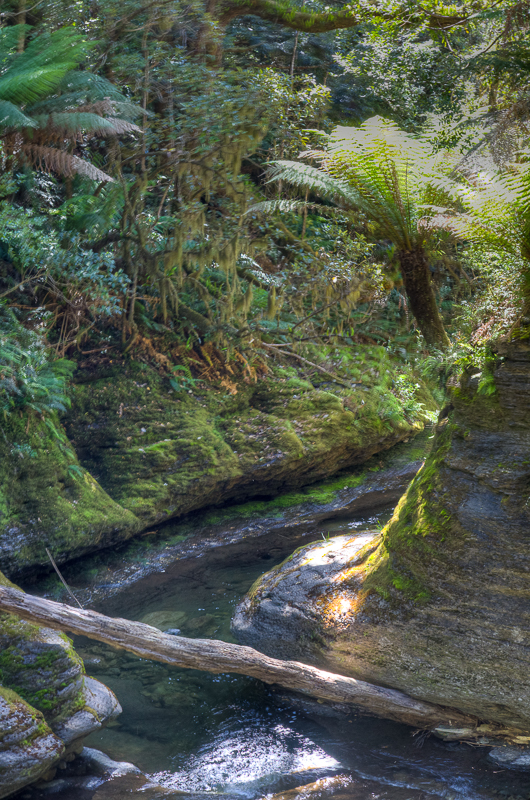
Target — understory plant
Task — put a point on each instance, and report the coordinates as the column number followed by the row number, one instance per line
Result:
column 30, row 382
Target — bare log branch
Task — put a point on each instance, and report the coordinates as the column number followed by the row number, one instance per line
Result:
column 214, row 656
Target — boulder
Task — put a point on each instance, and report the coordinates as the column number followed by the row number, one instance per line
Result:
column 47, row 703
column 437, row 604
column 101, row 764
column 28, row 748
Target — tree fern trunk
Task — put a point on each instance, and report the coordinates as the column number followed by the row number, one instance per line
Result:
column 417, row 280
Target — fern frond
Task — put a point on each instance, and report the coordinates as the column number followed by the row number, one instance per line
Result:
column 49, row 159
column 389, row 175
column 10, row 37
column 73, row 123
column 316, row 180
column 91, row 87
column 288, row 206
column 12, row 118
column 42, row 66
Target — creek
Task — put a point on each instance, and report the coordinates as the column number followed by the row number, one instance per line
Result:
column 230, row 735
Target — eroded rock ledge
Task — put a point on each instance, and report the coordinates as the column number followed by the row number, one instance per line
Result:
column 436, row 605
column 133, row 453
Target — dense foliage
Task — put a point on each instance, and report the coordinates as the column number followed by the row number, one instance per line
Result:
column 140, row 211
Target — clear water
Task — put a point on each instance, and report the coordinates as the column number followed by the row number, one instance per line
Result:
column 197, row 732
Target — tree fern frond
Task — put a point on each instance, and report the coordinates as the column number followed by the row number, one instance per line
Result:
column 50, row 159
column 90, row 86
column 496, row 211
column 308, row 177
column 288, row 206
column 41, row 67
column 12, row 118
column 10, row 36
column 28, row 86
column 121, row 126
column 74, row 122
column 380, row 170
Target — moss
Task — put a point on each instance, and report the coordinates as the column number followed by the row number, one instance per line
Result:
column 47, row 499
column 39, row 665
column 419, row 522
column 147, row 454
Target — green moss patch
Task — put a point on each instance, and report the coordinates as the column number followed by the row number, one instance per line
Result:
column 48, row 500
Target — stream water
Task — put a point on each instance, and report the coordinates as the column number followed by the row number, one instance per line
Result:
column 232, row 736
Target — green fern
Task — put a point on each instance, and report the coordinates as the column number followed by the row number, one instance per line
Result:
column 28, row 380
column 397, row 183
column 46, row 104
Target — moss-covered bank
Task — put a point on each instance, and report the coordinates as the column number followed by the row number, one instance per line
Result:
column 139, row 453
column 436, row 605
column 161, row 454
column 48, row 500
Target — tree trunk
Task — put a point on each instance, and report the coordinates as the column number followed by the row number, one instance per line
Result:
column 417, row 280
column 214, row 656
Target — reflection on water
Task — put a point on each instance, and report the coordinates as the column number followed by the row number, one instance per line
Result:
column 203, row 733
column 251, row 759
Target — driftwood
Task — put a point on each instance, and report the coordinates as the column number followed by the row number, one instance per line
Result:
column 211, row 655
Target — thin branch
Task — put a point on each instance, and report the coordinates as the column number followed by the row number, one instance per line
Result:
column 311, row 364
column 22, row 283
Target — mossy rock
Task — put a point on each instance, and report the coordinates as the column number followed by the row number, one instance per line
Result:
column 42, row 667
column 28, row 748
column 437, row 604
column 48, row 500
column 162, row 454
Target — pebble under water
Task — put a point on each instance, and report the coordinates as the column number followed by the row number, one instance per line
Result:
column 233, row 737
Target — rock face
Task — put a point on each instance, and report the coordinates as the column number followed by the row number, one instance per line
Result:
column 436, row 605
column 138, row 453
column 28, row 748
column 48, row 499
column 47, row 703
column 161, row 454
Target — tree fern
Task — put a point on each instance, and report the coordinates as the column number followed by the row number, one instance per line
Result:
column 46, row 106
column 394, row 179
column 496, row 216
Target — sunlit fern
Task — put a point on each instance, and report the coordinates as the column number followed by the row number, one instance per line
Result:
column 391, row 177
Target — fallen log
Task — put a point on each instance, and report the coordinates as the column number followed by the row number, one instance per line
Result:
column 211, row 655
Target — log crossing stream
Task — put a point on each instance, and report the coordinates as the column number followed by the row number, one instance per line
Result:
column 229, row 736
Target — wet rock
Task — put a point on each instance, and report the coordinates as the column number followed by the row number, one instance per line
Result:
column 139, row 786
column 100, row 707
column 201, row 623
column 510, row 757
column 101, row 764
column 282, row 614
column 437, row 605
column 28, row 748
column 164, row 619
